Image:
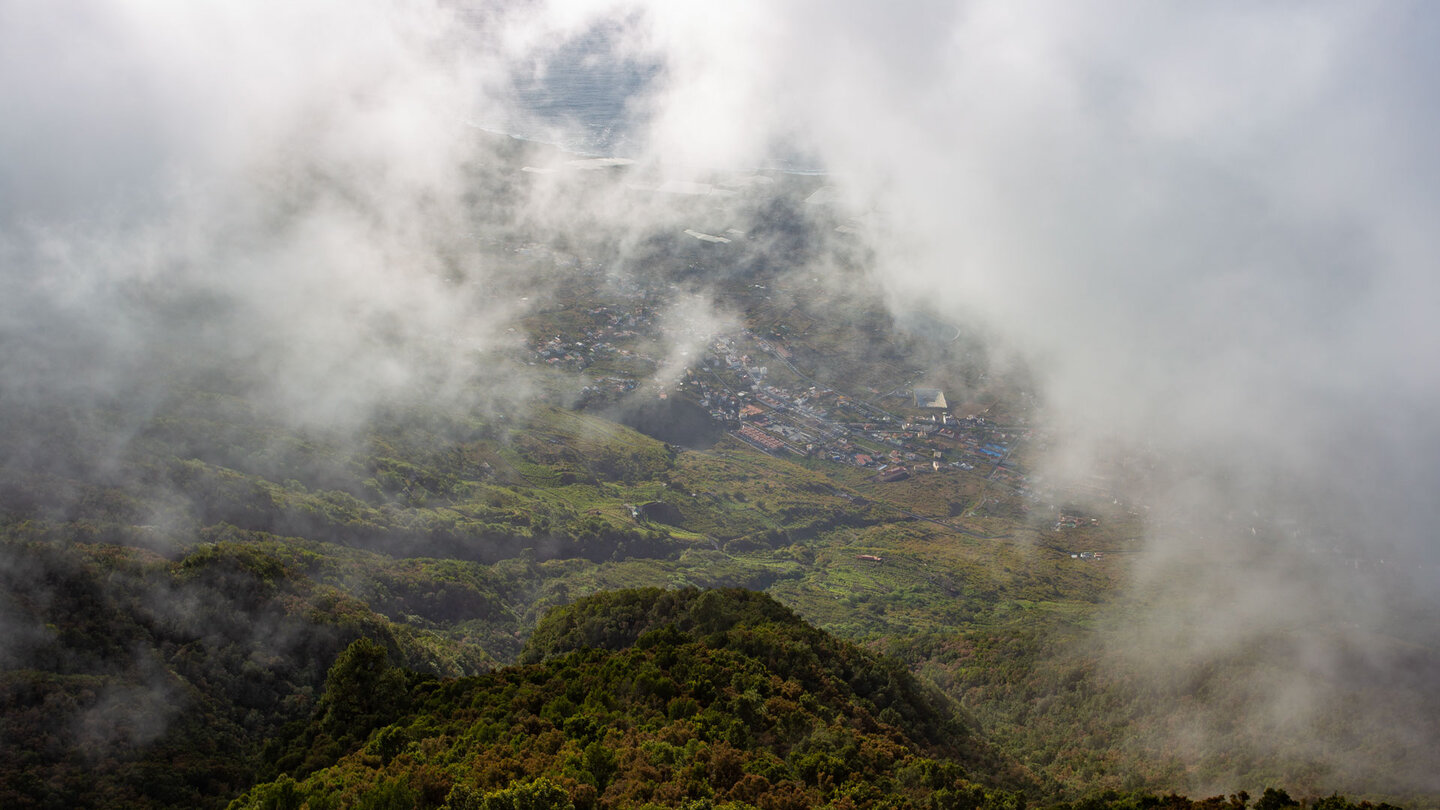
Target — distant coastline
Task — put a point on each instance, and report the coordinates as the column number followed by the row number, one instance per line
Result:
column 583, row 152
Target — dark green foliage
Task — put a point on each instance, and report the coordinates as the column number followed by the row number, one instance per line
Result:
column 674, row 699
column 155, row 684
column 755, row 625
column 362, row 691
column 1275, row 800
column 650, row 696
column 539, row 794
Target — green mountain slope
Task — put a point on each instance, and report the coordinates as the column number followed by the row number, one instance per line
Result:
column 664, row 698
column 650, row 698
column 182, row 565
column 134, row 681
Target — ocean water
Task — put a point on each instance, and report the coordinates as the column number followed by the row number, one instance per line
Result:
column 583, row 96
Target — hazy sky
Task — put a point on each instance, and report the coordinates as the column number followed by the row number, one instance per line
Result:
column 1209, row 227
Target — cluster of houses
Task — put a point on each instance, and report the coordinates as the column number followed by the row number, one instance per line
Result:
column 820, row 421
column 731, row 380
column 759, row 438
column 1069, row 520
column 610, row 324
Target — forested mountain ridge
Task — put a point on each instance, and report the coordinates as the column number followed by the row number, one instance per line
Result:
column 651, row 698
column 686, row 698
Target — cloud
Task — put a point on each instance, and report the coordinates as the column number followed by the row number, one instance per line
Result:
column 1208, row 229
column 224, row 187
column 1204, row 225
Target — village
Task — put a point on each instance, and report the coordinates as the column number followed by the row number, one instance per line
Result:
column 750, row 386
column 614, row 338
column 758, row 381
column 819, row 421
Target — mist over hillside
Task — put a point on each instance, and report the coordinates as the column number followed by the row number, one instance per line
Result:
column 1195, row 245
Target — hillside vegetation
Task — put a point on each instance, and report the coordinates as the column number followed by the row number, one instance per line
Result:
column 650, row 698
column 182, row 567
column 680, row 698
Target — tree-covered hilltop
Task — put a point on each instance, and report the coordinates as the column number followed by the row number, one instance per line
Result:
column 652, row 698
column 756, row 625
column 645, row 697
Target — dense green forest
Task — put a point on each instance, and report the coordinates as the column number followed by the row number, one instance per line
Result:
column 650, row 698
column 636, row 697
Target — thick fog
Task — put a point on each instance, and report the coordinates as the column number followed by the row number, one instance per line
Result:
column 1208, row 230
column 280, row 196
